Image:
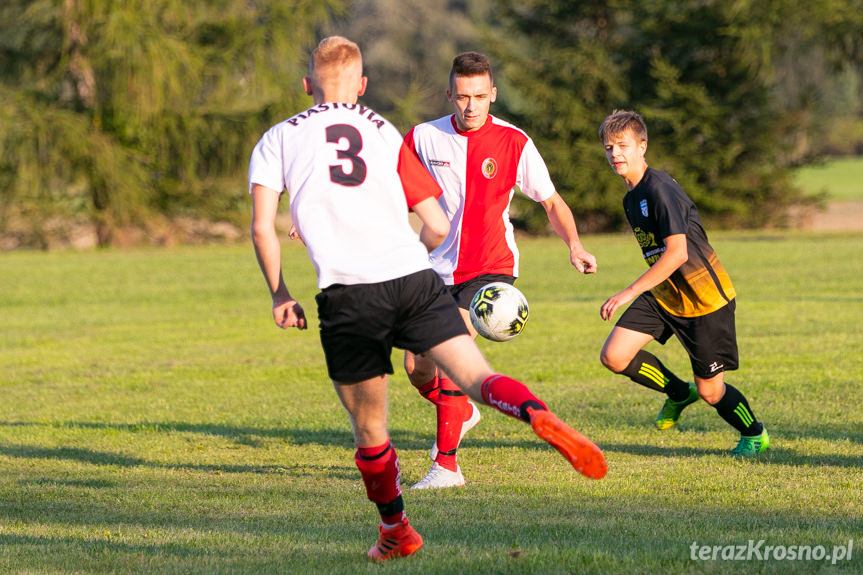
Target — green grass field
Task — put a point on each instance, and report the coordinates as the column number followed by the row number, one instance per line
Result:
column 154, row 420
column 841, row 178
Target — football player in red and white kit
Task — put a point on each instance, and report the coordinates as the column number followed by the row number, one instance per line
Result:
column 351, row 182
column 479, row 161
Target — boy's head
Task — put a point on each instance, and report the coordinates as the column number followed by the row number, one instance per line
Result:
column 624, row 137
column 335, row 71
column 621, row 121
column 470, row 64
column 471, row 90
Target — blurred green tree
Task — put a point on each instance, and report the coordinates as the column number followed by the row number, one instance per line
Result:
column 704, row 75
column 112, row 110
column 408, row 47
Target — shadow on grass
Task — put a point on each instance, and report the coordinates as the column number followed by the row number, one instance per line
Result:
column 774, row 455
column 598, row 535
column 97, row 554
column 251, row 436
column 402, row 439
column 107, row 458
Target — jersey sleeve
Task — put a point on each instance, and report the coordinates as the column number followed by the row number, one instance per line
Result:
column 265, row 165
column 416, row 181
column 533, row 178
column 410, row 142
column 670, row 213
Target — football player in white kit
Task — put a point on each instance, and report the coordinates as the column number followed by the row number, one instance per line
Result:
column 479, row 161
column 351, row 182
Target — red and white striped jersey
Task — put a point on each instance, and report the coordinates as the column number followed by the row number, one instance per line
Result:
column 351, row 181
column 479, row 172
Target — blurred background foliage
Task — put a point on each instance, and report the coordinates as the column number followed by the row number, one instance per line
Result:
column 127, row 117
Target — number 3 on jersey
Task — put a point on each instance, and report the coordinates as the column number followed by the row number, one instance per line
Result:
column 357, row 176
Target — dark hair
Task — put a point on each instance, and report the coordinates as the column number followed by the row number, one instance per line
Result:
column 470, row 64
column 621, row 121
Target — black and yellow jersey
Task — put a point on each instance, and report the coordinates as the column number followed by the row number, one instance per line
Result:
column 657, row 208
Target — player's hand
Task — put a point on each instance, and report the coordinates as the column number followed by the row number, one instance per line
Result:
column 611, row 304
column 295, row 235
column 583, row 261
column 289, row 313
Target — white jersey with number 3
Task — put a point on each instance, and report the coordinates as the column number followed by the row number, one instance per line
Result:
column 351, row 182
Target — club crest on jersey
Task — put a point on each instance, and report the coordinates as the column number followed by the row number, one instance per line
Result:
column 643, row 205
column 489, row 168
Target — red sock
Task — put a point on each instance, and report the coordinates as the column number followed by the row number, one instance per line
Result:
column 510, row 396
column 379, row 468
column 430, row 390
column 451, row 407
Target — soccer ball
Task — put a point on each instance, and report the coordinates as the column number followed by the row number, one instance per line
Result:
column 499, row 311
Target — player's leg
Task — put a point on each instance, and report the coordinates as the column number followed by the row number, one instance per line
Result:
column 712, row 345
column 423, row 375
column 462, row 359
column 356, row 325
column 433, row 325
column 623, row 353
column 733, row 407
column 455, row 415
column 376, row 458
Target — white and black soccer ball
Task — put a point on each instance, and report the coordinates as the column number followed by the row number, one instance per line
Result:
column 499, row 311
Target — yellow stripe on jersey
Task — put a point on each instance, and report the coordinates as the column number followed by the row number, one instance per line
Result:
column 694, row 292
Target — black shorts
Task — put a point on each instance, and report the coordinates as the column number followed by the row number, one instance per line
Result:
column 710, row 340
column 464, row 292
column 360, row 324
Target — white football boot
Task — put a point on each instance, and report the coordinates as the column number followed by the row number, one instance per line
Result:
column 439, row 478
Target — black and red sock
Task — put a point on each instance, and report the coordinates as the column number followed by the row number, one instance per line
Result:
column 379, row 468
column 510, row 396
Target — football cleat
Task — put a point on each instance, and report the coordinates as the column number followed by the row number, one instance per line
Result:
column 398, row 541
column 440, row 477
column 752, row 446
column 671, row 410
column 581, row 453
column 465, row 427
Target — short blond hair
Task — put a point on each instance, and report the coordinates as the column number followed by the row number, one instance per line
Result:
column 620, row 122
column 334, row 52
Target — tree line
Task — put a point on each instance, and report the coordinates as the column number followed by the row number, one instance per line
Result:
column 129, row 115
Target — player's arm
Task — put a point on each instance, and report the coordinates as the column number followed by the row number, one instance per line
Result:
column 560, row 217
column 674, row 256
column 421, row 192
column 265, row 204
column 435, row 223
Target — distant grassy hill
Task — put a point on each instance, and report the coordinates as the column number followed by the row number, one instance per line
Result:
column 841, row 178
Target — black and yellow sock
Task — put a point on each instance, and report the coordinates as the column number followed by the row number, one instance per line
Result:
column 734, row 409
column 646, row 369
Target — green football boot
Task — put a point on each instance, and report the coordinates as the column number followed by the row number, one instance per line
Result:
column 752, row 446
column 670, row 412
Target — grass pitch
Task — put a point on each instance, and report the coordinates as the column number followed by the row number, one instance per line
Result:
column 839, row 178
column 154, row 420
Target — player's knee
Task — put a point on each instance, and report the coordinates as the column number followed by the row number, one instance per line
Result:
column 409, row 363
column 371, row 432
column 420, row 370
column 711, row 392
column 612, row 361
